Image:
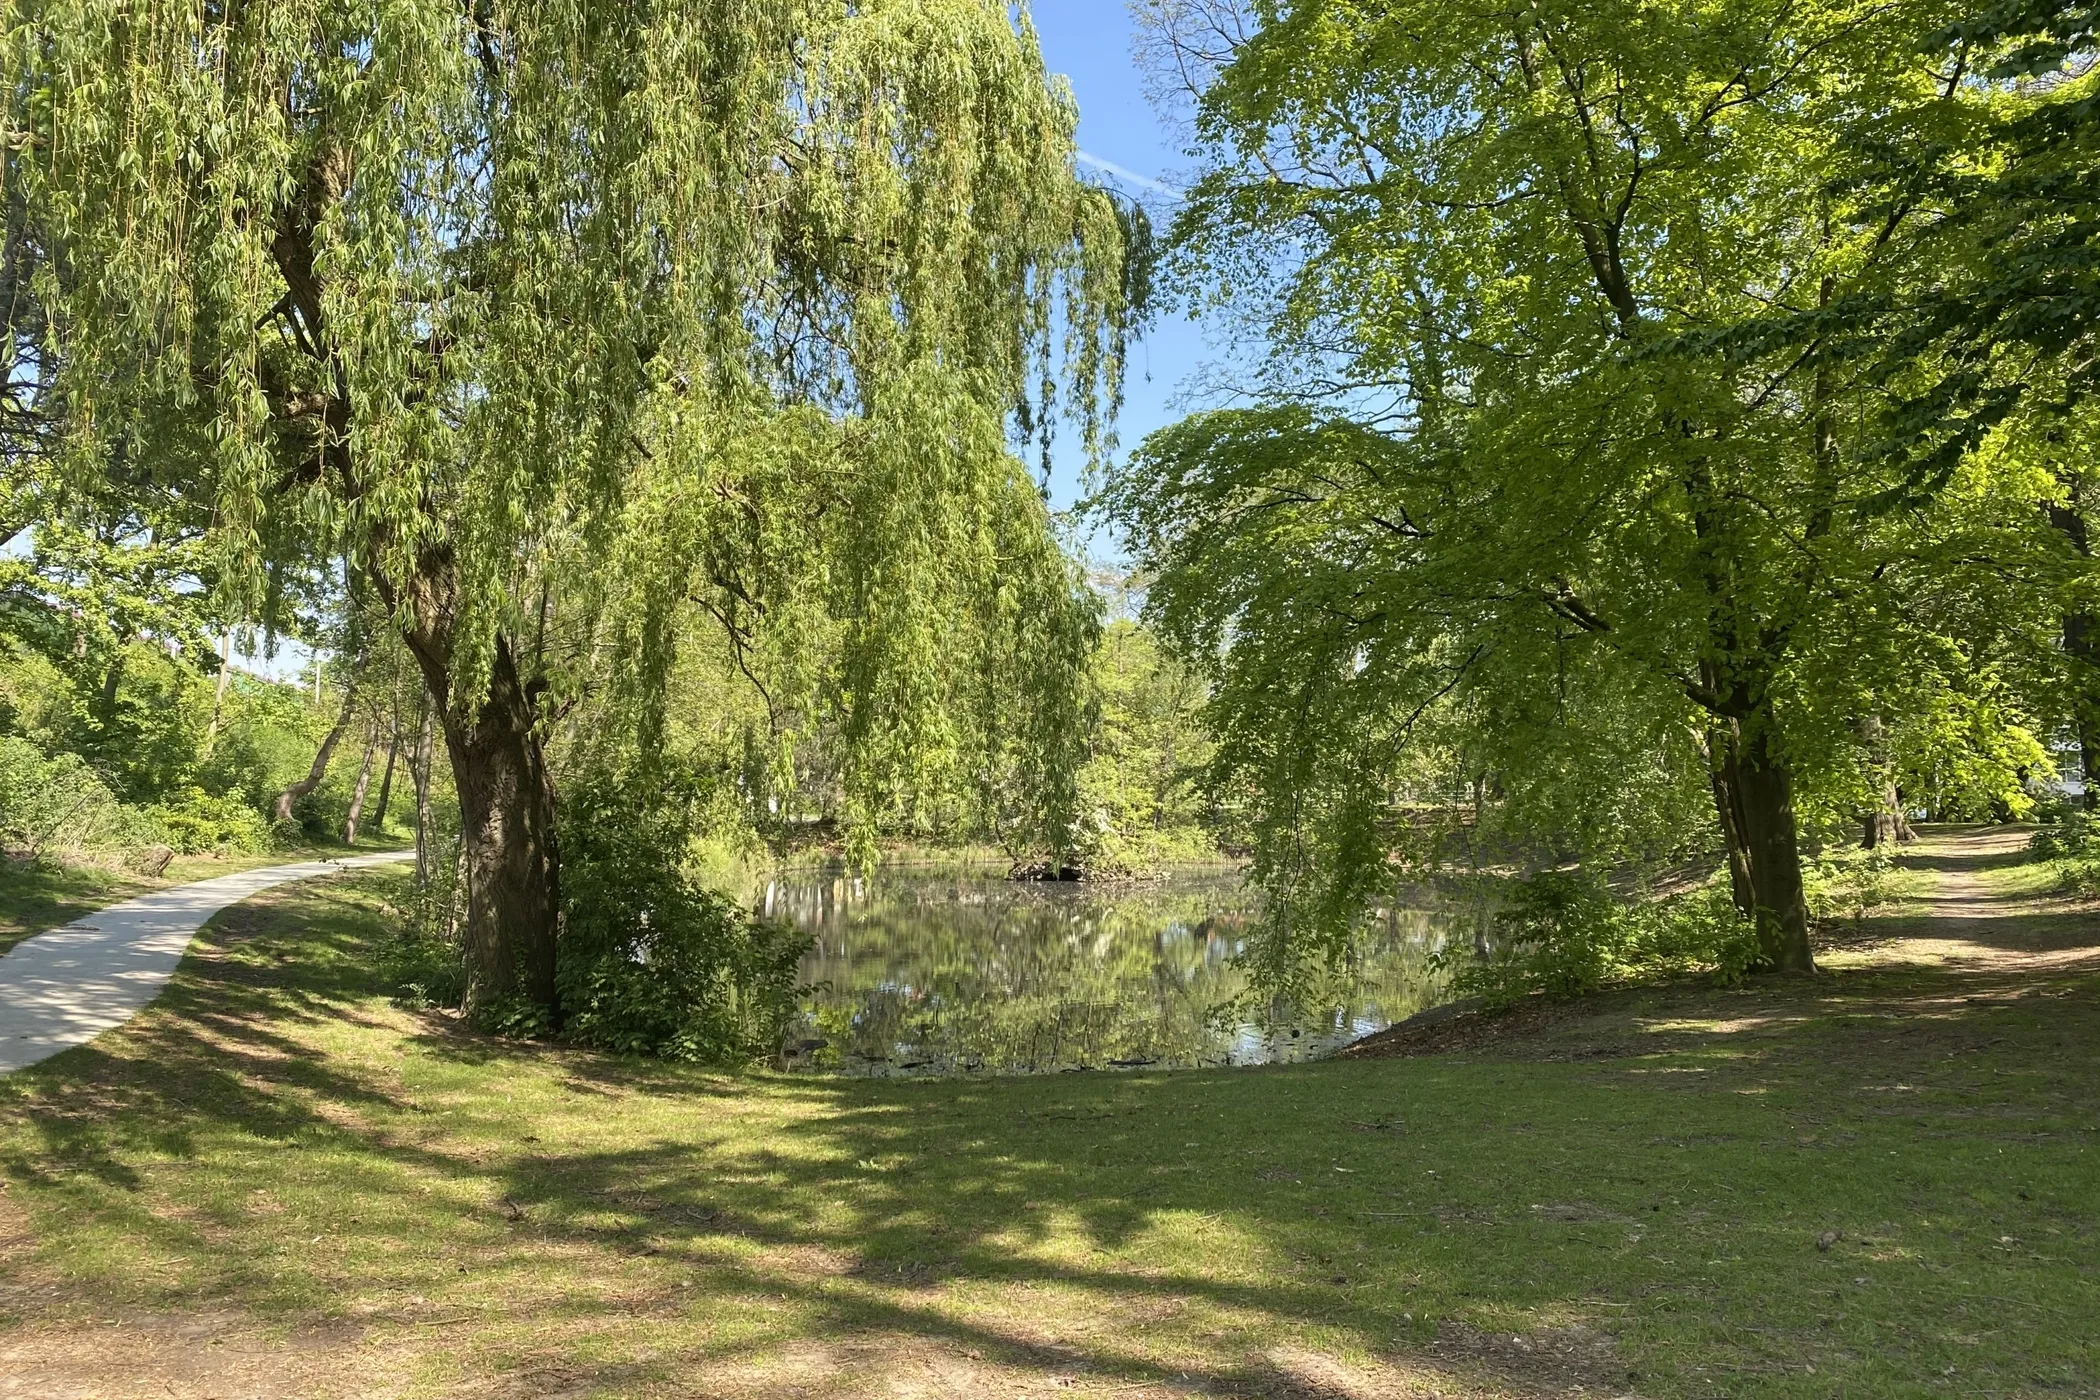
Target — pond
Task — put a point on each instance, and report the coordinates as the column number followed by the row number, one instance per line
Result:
column 918, row 971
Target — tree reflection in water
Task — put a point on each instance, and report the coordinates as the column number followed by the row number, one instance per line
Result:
column 964, row 971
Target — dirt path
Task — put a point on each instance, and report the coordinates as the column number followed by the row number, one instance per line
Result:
column 1987, row 908
column 1957, row 858
column 1979, row 924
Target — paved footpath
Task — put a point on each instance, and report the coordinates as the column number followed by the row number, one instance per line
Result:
column 63, row 988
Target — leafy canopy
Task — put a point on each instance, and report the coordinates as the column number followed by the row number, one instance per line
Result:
column 631, row 303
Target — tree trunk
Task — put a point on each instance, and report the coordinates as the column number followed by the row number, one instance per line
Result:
column 2084, row 650
column 357, row 797
column 218, row 695
column 419, row 774
column 386, row 781
column 106, row 702
column 319, row 770
column 1884, row 824
column 1754, row 797
column 2089, row 761
column 506, row 802
column 2082, row 645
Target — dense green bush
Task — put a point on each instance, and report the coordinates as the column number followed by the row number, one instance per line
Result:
column 650, row 961
column 195, row 820
column 1563, row 933
column 1847, row 881
column 58, row 803
column 423, row 965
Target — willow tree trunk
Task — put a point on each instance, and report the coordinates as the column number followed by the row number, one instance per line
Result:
column 506, row 803
column 419, row 774
column 1754, row 799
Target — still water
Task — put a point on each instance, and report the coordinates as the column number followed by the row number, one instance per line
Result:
column 926, row 972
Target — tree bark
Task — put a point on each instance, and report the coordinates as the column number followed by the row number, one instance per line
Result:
column 386, row 781
column 218, row 695
column 1754, row 795
column 419, row 774
column 2082, row 645
column 1884, row 824
column 506, row 802
column 319, row 770
column 357, row 797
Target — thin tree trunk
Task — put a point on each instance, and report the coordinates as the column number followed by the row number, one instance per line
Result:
column 2082, row 645
column 419, row 774
column 112, row 679
column 357, row 797
column 386, row 781
column 218, row 695
column 319, row 770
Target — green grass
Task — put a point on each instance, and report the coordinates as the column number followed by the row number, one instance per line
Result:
column 45, row 894
column 357, row 1200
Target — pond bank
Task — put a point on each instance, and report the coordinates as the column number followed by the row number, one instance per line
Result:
column 274, row 1183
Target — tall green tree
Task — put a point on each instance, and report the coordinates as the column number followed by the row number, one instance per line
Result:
column 1499, row 487
column 549, row 317
column 1975, row 327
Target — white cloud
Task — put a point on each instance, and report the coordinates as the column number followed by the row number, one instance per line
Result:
column 1121, row 173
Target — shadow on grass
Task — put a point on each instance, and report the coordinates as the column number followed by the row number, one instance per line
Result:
column 36, row 895
column 1200, row 1232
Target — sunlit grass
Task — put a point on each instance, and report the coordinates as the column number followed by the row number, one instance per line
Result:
column 275, row 1144
column 43, row 894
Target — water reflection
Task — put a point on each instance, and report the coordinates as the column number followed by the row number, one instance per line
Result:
column 963, row 971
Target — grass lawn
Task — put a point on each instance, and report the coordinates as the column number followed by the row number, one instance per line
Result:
column 1881, row 1182
column 40, row 896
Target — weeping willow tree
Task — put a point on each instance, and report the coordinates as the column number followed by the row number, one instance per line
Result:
column 605, row 308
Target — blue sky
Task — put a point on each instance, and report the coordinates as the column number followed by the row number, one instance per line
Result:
column 1089, row 42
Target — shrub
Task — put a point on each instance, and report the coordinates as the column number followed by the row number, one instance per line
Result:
column 197, row 821
column 60, row 804
column 1847, row 882
column 424, row 966
column 422, row 959
column 651, row 962
column 2072, row 846
column 1563, row 933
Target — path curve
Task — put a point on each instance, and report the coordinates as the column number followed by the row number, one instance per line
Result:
column 65, row 987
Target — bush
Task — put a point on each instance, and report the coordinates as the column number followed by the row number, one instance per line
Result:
column 650, row 961
column 1847, row 882
column 2075, row 837
column 196, row 821
column 61, row 804
column 422, row 960
column 1564, row 934
column 2072, row 846
column 424, row 966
